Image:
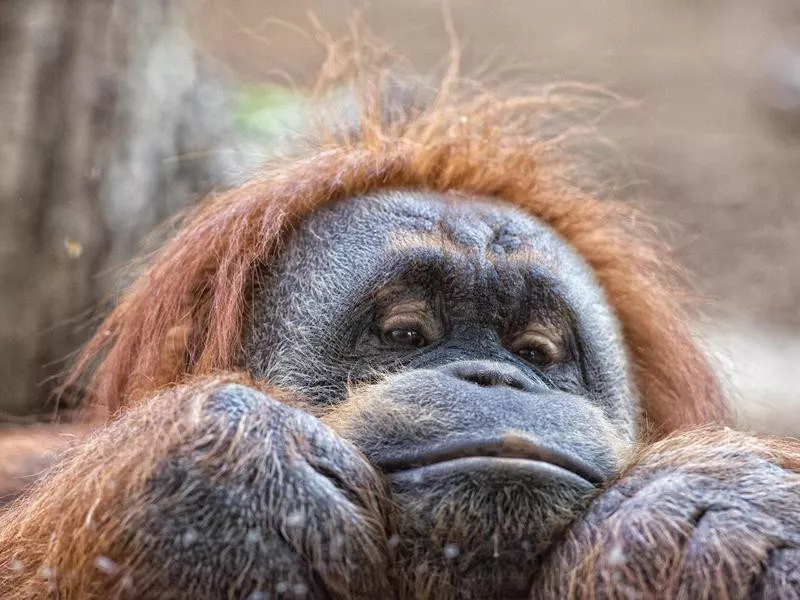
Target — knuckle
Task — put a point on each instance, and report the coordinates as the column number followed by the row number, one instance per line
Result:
column 233, row 400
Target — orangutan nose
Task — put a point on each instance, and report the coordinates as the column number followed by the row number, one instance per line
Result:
column 489, row 374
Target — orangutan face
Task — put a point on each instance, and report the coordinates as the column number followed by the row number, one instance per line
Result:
column 469, row 354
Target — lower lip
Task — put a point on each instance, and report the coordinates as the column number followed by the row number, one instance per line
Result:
column 532, row 472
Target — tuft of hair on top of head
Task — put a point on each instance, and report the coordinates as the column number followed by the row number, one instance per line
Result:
column 369, row 130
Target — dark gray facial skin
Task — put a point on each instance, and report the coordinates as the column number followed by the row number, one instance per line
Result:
column 469, row 354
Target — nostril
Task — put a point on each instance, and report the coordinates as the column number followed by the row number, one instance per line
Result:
column 516, row 384
column 481, row 379
column 493, row 380
column 488, row 374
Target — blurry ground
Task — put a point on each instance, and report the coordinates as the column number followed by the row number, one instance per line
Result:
column 713, row 144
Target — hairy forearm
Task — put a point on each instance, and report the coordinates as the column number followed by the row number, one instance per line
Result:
column 27, row 452
column 206, row 491
column 701, row 514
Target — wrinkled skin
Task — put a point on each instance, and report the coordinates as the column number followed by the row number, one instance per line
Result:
column 463, row 425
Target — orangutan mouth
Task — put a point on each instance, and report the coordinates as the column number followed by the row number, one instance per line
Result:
column 507, row 452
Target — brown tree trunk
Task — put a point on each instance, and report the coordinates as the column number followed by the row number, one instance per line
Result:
column 107, row 126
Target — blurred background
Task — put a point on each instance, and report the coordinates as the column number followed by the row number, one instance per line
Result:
column 114, row 114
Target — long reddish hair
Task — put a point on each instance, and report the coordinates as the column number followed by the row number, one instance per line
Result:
column 184, row 315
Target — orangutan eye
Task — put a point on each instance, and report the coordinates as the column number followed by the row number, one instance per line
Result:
column 538, row 350
column 408, row 325
column 535, row 356
column 406, row 338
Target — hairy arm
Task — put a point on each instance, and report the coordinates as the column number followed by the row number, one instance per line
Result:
column 26, row 452
column 706, row 514
column 209, row 491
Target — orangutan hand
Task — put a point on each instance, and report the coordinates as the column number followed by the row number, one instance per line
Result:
column 708, row 514
column 210, row 491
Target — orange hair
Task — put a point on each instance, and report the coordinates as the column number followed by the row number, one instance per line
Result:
column 189, row 304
